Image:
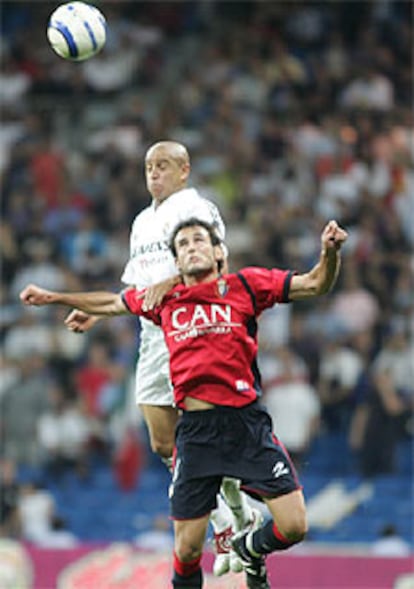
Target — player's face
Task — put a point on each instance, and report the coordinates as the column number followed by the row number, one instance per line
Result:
column 164, row 174
column 196, row 255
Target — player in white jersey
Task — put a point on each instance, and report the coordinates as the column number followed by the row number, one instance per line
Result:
column 167, row 168
column 150, row 263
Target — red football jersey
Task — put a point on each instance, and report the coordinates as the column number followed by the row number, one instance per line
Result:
column 210, row 331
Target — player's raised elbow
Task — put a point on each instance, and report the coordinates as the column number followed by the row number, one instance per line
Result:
column 306, row 286
column 322, row 289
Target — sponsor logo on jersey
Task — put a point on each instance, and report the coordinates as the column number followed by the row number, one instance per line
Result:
column 150, row 248
column 280, row 469
column 200, row 315
column 242, row 385
column 196, row 320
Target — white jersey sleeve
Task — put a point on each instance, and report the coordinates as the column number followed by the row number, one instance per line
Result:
column 151, row 260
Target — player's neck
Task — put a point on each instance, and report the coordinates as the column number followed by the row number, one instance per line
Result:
column 158, row 200
column 199, row 278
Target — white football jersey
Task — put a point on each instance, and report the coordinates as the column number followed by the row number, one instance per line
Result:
column 151, row 260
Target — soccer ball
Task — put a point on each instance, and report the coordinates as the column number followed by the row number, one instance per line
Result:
column 76, row 31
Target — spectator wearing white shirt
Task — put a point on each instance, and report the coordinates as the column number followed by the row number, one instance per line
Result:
column 390, row 404
column 339, row 370
column 63, row 433
column 290, row 399
column 390, row 543
column 39, row 522
column 370, row 90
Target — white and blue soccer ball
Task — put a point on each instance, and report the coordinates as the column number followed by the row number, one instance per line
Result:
column 76, row 31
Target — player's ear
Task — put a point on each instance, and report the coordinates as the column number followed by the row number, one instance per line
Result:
column 185, row 171
column 218, row 253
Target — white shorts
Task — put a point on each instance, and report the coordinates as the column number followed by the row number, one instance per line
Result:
column 152, row 381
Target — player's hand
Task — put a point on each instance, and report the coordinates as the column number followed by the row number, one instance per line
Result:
column 34, row 295
column 79, row 322
column 154, row 295
column 333, row 236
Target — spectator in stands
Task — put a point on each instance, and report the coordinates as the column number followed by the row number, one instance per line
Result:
column 391, row 403
column 9, row 373
column 84, row 249
column 9, row 312
column 38, row 519
column 63, row 433
column 159, row 538
column 291, row 401
column 9, row 490
column 47, row 168
column 93, row 376
column 390, row 543
column 9, row 250
column 339, row 370
column 14, row 83
column 368, row 90
column 27, row 336
column 354, row 308
column 114, row 70
column 20, row 408
column 41, row 264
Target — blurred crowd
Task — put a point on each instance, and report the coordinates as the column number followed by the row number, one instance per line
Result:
column 293, row 113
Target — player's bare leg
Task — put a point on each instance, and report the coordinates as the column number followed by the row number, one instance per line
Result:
column 287, row 528
column 189, row 537
column 161, row 421
column 289, row 516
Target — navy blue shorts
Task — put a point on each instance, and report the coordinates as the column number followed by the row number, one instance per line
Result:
column 227, row 442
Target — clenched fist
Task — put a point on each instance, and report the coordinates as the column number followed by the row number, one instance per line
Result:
column 34, row 295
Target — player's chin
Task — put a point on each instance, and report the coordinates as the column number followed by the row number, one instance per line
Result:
column 158, row 192
column 196, row 269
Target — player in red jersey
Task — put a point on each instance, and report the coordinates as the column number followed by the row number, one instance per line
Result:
column 209, row 323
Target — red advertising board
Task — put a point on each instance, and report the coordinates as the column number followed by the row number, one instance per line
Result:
column 120, row 566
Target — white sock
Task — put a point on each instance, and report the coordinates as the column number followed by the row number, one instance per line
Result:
column 237, row 501
column 221, row 517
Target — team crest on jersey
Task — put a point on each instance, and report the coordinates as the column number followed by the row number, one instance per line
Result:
column 222, row 287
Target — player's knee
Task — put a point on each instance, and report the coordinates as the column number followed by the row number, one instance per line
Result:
column 296, row 528
column 187, row 551
column 163, row 448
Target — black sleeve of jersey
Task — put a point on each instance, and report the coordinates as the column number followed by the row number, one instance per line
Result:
column 286, row 288
column 125, row 301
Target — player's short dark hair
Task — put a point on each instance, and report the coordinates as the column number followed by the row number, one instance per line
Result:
column 193, row 222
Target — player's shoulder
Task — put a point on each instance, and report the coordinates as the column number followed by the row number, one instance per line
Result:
column 175, row 294
column 253, row 272
column 142, row 216
column 186, row 196
column 259, row 278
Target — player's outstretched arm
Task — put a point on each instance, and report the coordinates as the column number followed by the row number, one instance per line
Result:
column 79, row 322
column 321, row 278
column 94, row 303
